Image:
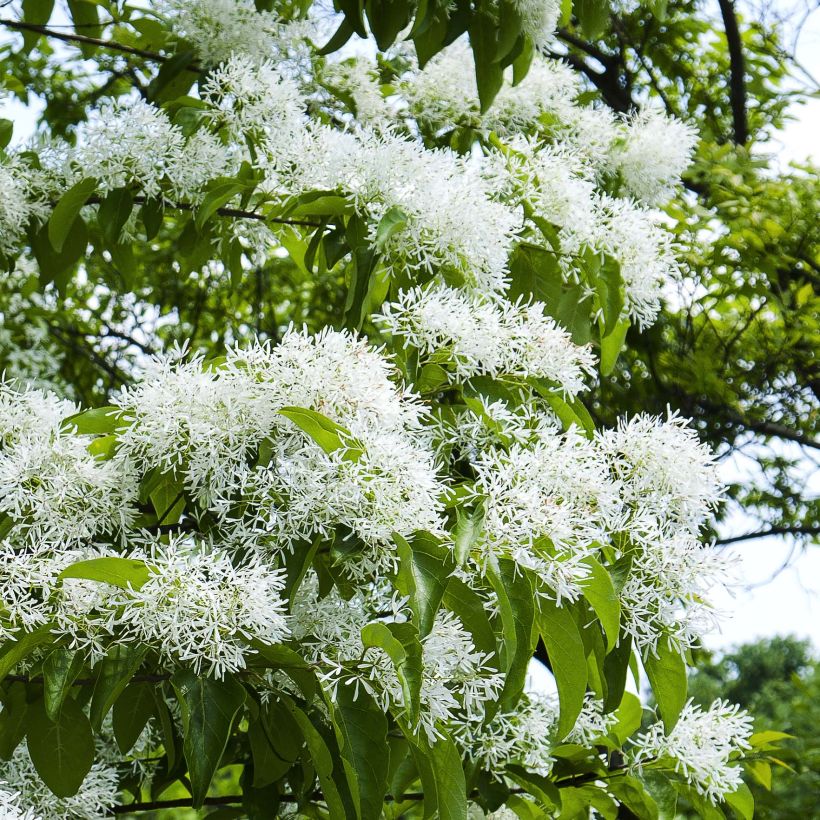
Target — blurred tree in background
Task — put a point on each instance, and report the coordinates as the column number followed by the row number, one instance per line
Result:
column 778, row 680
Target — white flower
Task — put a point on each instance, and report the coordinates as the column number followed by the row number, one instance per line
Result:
column 524, row 737
column 653, row 153
column 193, row 421
column 591, row 724
column 356, row 79
column 539, row 19
column 56, row 492
column 391, row 485
column 126, row 143
column 10, row 808
column 483, row 337
column 442, row 215
column 98, row 793
column 20, row 202
column 644, row 251
column 665, row 596
column 200, row 608
column 701, row 747
column 665, row 470
column 219, row 29
column 202, row 159
column 444, row 93
column 546, row 506
column 457, row 679
column 556, row 182
column 255, row 98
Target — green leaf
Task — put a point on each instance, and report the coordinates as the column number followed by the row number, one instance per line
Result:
column 742, row 802
column 220, row 192
column 268, row 767
column 132, row 711
column 667, row 676
column 387, row 19
column 326, row 433
column 6, row 131
column 361, row 730
column 592, row 15
column 535, row 272
column 442, row 777
column 60, row 670
column 321, row 758
column 768, row 737
column 542, row 788
column 469, row 525
column 567, row 658
column 126, row 573
column 394, row 220
column 14, row 651
column 573, row 313
column 610, row 288
column 37, row 12
column 489, row 74
column 13, row 719
column 113, row 213
column 611, row 346
column 631, row 793
column 516, row 604
column 96, row 421
column 61, row 750
column 472, row 610
column 600, row 592
column 761, row 771
column 629, row 715
column 402, row 645
column 363, row 263
column 86, row 19
column 56, row 267
column 209, row 708
column 67, row 210
column 424, row 569
column 116, row 670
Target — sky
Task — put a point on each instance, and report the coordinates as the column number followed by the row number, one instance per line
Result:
column 778, row 589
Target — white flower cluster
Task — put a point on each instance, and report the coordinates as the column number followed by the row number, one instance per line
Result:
column 669, row 485
column 539, row 19
column 548, row 505
column 701, row 747
column 421, row 191
column 483, row 337
column 653, row 153
column 199, row 607
column 524, row 737
column 218, row 29
column 457, row 679
column 96, row 796
column 527, row 735
column 648, row 149
column 10, row 808
column 205, row 424
column 57, row 492
column 21, row 201
column 649, row 485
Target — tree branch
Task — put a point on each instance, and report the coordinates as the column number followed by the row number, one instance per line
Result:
column 796, row 530
column 236, row 212
column 737, row 71
column 111, row 45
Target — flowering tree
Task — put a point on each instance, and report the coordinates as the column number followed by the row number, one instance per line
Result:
column 319, row 537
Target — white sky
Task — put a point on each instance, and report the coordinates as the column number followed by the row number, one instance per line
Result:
column 761, row 605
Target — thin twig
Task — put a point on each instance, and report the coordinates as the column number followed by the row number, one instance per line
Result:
column 111, row 45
